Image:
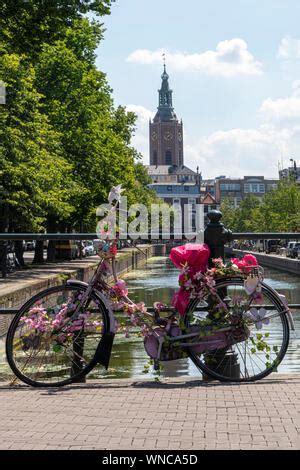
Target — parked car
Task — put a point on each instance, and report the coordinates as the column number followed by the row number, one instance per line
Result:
column 97, row 243
column 258, row 246
column 271, row 246
column 289, row 248
column 66, row 249
column 88, row 248
column 295, row 253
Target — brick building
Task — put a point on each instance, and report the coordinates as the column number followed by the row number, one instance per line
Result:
column 235, row 189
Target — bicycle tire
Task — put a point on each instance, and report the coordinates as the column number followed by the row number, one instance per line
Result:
column 213, row 372
column 11, row 337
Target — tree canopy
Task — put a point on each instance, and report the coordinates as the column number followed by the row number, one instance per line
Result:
column 63, row 142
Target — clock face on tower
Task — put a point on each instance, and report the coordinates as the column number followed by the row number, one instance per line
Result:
column 154, row 135
column 168, row 136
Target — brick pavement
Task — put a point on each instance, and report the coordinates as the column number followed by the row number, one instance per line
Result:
column 174, row 414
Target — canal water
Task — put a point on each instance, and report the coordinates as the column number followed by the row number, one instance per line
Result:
column 157, row 281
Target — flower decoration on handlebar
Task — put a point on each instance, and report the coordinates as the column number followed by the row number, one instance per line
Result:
column 196, row 279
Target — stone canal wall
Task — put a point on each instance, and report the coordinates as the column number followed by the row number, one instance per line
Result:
column 21, row 285
column 271, row 261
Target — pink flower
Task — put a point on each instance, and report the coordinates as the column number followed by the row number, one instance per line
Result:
column 258, row 297
column 180, row 300
column 218, row 262
column 130, row 308
column 141, row 307
column 120, row 288
column 245, row 264
column 134, row 319
column 191, row 254
column 240, row 263
column 159, row 306
column 188, row 284
column 182, row 278
column 250, row 260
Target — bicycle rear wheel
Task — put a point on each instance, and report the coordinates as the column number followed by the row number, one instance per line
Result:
column 46, row 345
column 255, row 348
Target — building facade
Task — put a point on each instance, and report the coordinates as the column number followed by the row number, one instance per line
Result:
column 236, row 189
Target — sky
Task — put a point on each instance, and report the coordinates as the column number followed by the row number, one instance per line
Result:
column 234, row 68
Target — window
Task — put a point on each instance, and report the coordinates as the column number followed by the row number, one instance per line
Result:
column 254, row 188
column 169, row 188
column 261, row 188
column 230, row 187
column 168, row 156
column 186, row 188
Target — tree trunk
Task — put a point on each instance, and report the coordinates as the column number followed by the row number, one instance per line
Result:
column 3, row 250
column 19, row 252
column 38, row 252
column 51, row 251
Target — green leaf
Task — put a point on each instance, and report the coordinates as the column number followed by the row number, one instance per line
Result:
column 57, row 348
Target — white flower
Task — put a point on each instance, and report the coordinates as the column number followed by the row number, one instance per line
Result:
column 258, row 317
column 115, row 193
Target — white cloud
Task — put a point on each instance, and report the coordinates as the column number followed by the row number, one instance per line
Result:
column 283, row 110
column 238, row 152
column 231, row 58
column 141, row 138
column 289, row 48
column 143, row 114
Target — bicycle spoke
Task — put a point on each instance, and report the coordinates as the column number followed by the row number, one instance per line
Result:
column 250, row 361
column 43, row 357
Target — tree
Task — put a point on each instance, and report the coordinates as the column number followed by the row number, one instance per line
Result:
column 280, row 209
column 26, row 25
column 228, row 214
column 35, row 178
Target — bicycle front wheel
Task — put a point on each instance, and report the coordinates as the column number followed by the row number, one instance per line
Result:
column 47, row 345
column 251, row 350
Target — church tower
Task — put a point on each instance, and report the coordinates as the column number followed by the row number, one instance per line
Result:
column 165, row 131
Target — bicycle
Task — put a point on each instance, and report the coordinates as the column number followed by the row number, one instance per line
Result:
column 232, row 325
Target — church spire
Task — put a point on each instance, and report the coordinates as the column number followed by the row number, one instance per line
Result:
column 165, row 110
